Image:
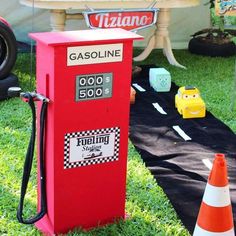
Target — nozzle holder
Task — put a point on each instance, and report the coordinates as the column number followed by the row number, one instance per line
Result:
column 14, row 92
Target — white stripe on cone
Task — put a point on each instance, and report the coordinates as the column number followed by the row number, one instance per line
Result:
column 216, row 196
column 198, row 231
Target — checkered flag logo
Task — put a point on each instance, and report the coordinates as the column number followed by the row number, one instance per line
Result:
column 70, row 150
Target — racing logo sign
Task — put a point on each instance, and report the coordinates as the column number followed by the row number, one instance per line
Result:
column 132, row 20
column 91, row 147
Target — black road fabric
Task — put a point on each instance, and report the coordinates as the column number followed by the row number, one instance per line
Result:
column 178, row 165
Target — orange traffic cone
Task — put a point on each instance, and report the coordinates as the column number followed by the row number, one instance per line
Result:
column 215, row 217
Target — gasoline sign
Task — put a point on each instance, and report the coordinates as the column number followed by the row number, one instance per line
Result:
column 132, row 20
column 83, row 55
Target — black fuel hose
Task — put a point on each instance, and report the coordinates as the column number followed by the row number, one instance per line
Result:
column 28, row 164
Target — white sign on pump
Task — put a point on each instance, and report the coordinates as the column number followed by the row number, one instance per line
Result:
column 94, row 54
column 91, row 147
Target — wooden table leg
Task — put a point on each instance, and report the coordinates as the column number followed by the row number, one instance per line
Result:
column 169, row 53
column 160, row 39
column 147, row 50
column 58, row 20
column 162, row 36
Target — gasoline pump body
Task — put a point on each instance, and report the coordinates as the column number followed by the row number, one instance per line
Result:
column 86, row 75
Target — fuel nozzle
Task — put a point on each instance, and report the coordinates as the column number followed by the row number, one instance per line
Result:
column 17, row 92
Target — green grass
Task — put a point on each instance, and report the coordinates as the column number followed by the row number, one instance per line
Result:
column 149, row 210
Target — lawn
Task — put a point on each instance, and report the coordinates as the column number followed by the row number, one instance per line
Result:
column 148, row 207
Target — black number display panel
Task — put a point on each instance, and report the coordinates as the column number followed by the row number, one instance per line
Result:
column 93, row 86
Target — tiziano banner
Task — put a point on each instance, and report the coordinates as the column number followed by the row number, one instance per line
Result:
column 130, row 19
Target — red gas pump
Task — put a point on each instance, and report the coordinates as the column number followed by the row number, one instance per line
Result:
column 86, row 75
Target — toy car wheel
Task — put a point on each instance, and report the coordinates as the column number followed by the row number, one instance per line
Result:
column 10, row 81
column 8, row 50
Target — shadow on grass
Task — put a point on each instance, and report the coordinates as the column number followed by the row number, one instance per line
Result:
column 9, row 224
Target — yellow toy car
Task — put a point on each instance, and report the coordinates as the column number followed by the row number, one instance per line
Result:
column 189, row 103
